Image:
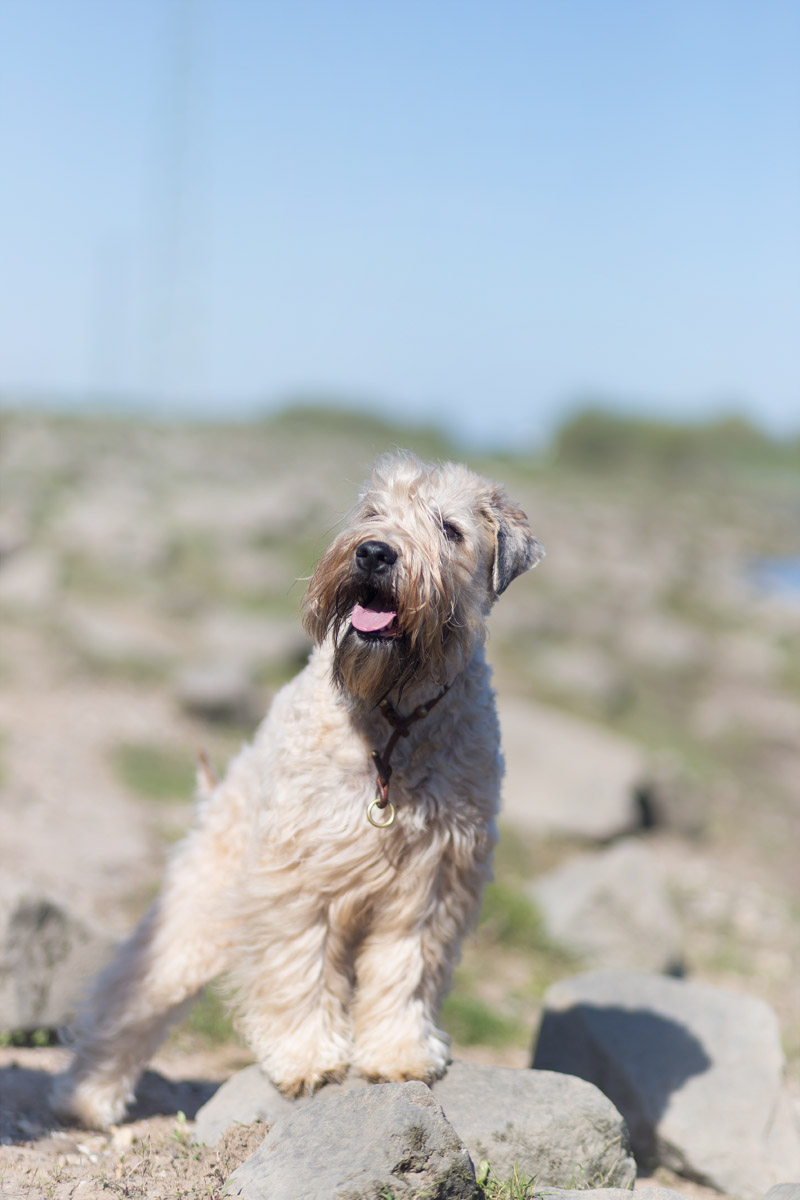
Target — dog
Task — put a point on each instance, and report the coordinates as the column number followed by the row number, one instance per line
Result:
column 333, row 872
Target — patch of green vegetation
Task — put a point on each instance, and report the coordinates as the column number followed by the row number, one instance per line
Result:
column 518, row 1186
column 210, row 1020
column 790, row 668
column 317, row 418
column 191, row 563
column 507, row 966
column 511, row 919
column 472, row 1022
column 125, row 668
column 599, row 439
column 161, row 773
column 30, row 1037
column 92, row 577
column 276, row 673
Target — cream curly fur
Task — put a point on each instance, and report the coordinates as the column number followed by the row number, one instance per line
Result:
column 339, row 938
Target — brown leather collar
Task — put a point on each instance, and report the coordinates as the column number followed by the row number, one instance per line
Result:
column 401, row 727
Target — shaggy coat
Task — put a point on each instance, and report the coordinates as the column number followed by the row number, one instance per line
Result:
column 339, row 937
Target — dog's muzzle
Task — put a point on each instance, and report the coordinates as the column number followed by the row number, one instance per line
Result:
column 375, row 558
column 375, row 617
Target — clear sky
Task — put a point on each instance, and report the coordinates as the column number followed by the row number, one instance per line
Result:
column 474, row 212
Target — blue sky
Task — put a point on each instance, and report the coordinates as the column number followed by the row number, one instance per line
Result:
column 475, row 213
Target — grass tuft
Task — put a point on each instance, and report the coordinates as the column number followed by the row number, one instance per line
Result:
column 471, row 1022
column 161, row 773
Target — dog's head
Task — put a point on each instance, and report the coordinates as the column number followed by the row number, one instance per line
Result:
column 405, row 588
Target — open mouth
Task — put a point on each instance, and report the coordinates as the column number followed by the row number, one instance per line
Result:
column 374, row 621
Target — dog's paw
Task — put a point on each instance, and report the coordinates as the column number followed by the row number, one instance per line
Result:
column 426, row 1061
column 309, row 1082
column 87, row 1102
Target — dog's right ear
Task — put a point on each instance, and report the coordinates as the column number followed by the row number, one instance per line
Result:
column 515, row 548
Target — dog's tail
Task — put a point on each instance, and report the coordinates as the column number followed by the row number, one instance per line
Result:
column 207, row 778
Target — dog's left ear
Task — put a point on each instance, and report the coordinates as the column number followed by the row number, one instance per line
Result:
column 515, row 548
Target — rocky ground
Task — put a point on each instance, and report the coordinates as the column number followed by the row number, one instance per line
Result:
column 150, row 580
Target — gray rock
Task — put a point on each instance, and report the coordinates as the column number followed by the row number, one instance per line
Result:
column 46, row 956
column 219, row 691
column 391, row 1138
column 549, row 1127
column 110, row 637
column 611, row 909
column 696, row 1071
column 582, row 670
column 246, row 1097
column 566, row 776
column 252, row 641
column 14, row 534
column 29, row 579
column 673, row 797
column 784, row 1191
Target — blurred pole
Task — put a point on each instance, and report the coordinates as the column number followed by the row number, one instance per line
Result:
column 174, row 338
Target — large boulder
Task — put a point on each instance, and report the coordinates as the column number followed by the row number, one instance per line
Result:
column 557, row 1130
column 219, row 691
column 566, row 776
column 47, row 954
column 696, row 1071
column 611, row 909
column 389, row 1139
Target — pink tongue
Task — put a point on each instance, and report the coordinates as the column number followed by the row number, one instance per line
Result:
column 370, row 620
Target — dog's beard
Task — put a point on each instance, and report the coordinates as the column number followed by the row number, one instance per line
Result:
column 369, row 664
column 419, row 646
column 369, row 669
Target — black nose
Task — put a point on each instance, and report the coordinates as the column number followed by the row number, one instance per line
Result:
column 375, row 557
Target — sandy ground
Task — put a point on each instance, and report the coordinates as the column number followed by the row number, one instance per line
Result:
column 150, row 1156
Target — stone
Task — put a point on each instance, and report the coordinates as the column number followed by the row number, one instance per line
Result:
column 387, row 1139
column 611, row 909
column 246, row 1097
column 253, row 641
column 15, row 533
column 110, row 638
column 46, row 955
column 29, row 580
column 219, row 691
column 547, row 1126
column 784, row 1191
column 584, row 671
column 568, row 777
column 115, row 522
column 697, row 1072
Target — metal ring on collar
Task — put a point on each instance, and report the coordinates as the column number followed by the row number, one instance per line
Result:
column 377, row 804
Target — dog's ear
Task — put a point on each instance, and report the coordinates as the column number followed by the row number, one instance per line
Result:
column 515, row 548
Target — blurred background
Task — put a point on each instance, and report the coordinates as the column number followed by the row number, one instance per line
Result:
column 244, row 248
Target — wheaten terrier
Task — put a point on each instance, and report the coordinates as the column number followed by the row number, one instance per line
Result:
column 334, row 901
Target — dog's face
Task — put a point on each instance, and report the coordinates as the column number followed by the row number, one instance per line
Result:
column 404, row 590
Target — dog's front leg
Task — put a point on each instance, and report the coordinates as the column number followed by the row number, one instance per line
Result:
column 293, row 989
column 394, row 1011
column 402, row 973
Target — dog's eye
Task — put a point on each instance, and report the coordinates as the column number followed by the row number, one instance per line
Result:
column 452, row 532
